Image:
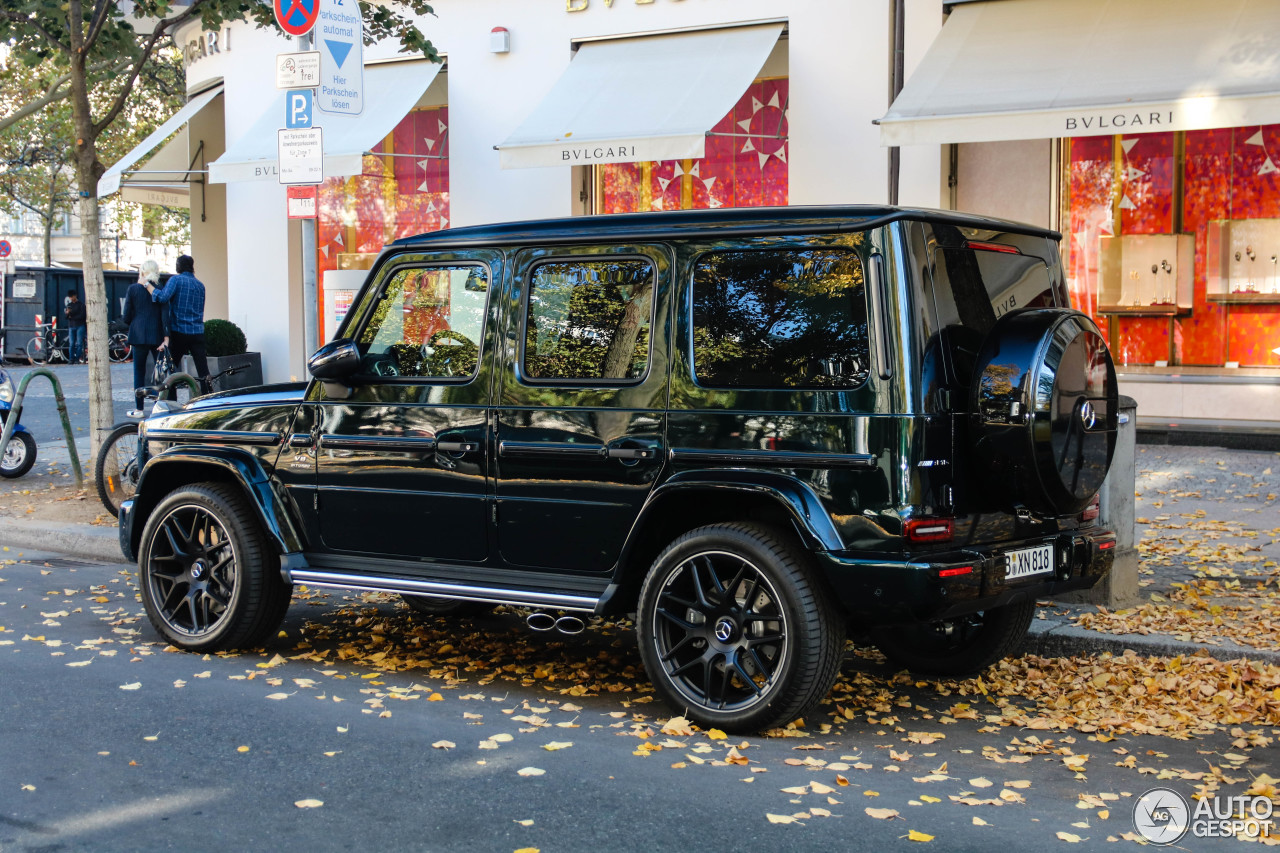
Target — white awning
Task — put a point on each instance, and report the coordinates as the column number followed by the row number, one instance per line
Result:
column 637, row 99
column 166, row 173
column 390, row 91
column 1037, row 69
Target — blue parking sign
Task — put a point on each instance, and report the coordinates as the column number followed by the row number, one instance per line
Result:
column 297, row 108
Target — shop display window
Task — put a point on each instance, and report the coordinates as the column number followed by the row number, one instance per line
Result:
column 1173, row 244
column 745, row 164
column 403, row 190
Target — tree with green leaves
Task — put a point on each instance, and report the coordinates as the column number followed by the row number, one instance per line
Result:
column 37, row 176
column 102, row 47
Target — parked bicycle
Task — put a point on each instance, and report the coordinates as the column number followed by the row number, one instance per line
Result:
column 51, row 344
column 118, row 467
column 48, row 344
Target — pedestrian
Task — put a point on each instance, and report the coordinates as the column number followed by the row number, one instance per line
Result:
column 147, row 334
column 76, row 318
column 184, row 294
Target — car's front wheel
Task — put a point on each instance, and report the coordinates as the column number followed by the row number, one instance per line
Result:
column 209, row 580
column 735, row 630
column 961, row 646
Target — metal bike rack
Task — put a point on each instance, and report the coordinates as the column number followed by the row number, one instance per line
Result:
column 11, row 423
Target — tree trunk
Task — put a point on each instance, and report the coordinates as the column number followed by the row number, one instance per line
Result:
column 88, row 170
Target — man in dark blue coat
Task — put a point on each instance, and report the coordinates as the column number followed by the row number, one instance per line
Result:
column 147, row 333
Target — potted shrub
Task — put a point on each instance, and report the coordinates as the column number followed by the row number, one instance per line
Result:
column 226, row 347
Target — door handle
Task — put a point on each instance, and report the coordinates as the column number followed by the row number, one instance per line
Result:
column 632, row 453
column 458, row 446
column 301, row 439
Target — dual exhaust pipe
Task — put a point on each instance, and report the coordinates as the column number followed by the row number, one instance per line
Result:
column 542, row 621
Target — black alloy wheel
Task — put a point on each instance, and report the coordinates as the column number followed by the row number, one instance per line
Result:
column 207, row 574
column 733, row 630
column 957, row 647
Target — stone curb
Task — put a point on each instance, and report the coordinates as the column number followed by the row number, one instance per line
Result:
column 1053, row 638
column 77, row 540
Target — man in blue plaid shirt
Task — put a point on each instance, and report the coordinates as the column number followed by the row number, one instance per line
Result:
column 184, row 294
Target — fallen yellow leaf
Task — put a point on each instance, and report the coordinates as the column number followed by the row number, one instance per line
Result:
column 309, row 804
column 1069, row 837
column 918, row 836
column 716, row 734
column 881, row 814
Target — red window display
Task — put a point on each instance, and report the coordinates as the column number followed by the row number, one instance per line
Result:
column 745, row 164
column 1174, row 243
column 402, row 190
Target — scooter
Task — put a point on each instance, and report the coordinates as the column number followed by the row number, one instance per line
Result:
column 20, row 454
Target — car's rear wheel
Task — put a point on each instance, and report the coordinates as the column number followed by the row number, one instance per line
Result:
column 961, row 646
column 209, row 579
column 429, row 605
column 735, row 630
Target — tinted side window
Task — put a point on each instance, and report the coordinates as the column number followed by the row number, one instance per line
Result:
column 427, row 323
column 589, row 319
column 794, row 318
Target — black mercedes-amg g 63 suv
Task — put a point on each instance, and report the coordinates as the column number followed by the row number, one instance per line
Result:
column 755, row 429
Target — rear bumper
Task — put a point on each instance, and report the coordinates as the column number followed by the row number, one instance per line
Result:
column 950, row 584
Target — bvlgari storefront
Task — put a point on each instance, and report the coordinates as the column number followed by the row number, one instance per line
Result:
column 1158, row 128
column 545, row 108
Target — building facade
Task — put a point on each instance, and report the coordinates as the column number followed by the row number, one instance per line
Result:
column 1152, row 154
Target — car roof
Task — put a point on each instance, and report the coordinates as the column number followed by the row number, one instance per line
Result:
column 733, row 222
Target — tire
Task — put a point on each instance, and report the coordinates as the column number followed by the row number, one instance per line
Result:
column 429, row 605
column 957, row 647
column 118, row 349
column 222, row 593
column 19, row 456
column 38, row 350
column 116, row 470
column 713, row 665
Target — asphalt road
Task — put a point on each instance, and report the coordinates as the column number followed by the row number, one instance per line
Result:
column 40, row 408
column 109, row 742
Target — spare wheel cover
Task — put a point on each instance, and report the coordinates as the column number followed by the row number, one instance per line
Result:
column 1043, row 406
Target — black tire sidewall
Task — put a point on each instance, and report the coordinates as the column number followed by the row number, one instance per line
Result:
column 1002, row 631
column 29, row 444
column 100, row 463
column 236, row 626
column 774, row 556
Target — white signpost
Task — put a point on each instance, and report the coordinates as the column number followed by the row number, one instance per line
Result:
column 298, row 70
column 301, row 154
column 339, row 35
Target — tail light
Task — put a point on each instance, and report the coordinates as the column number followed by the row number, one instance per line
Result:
column 1092, row 510
column 929, row 529
column 955, row 571
column 992, row 247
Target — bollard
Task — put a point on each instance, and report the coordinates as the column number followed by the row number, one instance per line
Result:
column 1120, row 587
column 16, row 414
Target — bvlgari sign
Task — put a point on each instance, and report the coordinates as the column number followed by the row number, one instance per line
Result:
column 1089, row 123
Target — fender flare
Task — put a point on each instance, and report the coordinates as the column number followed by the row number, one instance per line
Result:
column 795, row 496
column 246, row 471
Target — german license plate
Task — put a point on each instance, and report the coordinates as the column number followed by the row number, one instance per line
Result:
column 1028, row 561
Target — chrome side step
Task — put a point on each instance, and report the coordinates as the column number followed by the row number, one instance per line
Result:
column 443, row 589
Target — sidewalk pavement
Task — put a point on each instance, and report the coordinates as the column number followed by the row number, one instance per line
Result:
column 1208, row 535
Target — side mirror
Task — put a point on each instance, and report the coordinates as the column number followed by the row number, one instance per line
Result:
column 334, row 361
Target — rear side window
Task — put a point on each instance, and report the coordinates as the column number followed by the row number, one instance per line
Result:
column 589, row 320
column 786, row 318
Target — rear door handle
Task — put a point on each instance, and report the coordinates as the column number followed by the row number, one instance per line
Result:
column 632, row 453
column 458, row 446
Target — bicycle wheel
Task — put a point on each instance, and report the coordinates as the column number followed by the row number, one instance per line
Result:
column 38, row 350
column 117, row 470
column 118, row 349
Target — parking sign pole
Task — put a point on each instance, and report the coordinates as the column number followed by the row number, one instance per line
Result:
column 310, row 288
